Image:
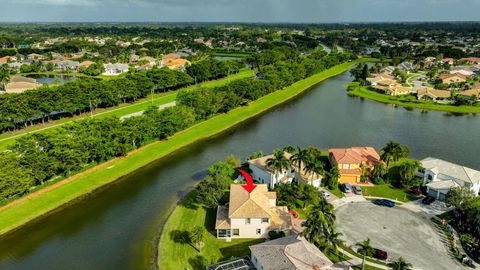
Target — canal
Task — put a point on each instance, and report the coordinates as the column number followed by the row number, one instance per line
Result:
column 114, row 228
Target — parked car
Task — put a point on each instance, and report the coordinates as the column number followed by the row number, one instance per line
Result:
column 428, row 200
column 357, row 190
column 346, row 188
column 325, row 194
column 384, row 202
column 380, row 254
column 417, row 191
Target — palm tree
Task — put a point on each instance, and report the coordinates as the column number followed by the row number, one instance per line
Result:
column 4, row 76
column 400, row 264
column 379, row 170
column 301, row 156
column 278, row 163
column 314, row 167
column 366, row 249
column 392, row 152
column 320, row 224
column 407, row 168
column 333, row 176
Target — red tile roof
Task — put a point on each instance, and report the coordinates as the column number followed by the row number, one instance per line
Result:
column 356, row 155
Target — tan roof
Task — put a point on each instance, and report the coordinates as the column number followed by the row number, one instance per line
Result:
column 433, row 93
column 86, row 64
column 442, row 184
column 170, row 56
column 222, row 221
column 253, row 204
column 355, row 155
column 471, row 92
column 19, row 87
column 452, row 75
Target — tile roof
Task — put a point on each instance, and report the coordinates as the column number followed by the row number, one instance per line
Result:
column 452, row 170
column 434, row 92
column 245, row 205
column 355, row 155
column 290, row 253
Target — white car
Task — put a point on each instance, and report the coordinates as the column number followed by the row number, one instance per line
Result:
column 325, row 194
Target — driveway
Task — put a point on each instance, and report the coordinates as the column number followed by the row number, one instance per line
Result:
column 399, row 231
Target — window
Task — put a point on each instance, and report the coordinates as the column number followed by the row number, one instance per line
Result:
column 264, row 220
column 259, row 231
column 345, row 166
column 247, row 221
column 429, row 177
column 236, row 232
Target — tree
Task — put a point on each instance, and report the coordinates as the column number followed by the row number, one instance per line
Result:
column 320, row 224
column 4, row 76
column 460, row 197
column 278, row 163
column 332, row 177
column 392, row 152
column 407, row 169
column 301, row 156
column 197, row 237
column 400, row 264
column 366, row 249
column 379, row 170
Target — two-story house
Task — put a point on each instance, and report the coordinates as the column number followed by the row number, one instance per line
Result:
column 251, row 215
column 262, row 174
column 351, row 162
column 439, row 176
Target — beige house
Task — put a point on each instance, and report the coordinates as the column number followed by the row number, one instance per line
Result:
column 470, row 93
column 433, row 94
column 453, row 78
column 19, row 84
column 385, row 83
column 251, row 215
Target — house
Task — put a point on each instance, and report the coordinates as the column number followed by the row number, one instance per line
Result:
column 439, row 176
column 34, row 56
column 264, row 175
column 407, row 66
column 433, row 94
column 289, row 253
column 351, row 162
column 251, row 215
column 115, row 69
column 470, row 93
column 67, row 65
column 471, row 60
column 85, row 64
column 450, row 61
column 167, row 58
column 134, row 58
column 8, row 59
column 19, row 84
column 453, row 78
column 178, row 64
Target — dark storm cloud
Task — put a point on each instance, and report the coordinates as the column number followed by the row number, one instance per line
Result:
column 240, row 10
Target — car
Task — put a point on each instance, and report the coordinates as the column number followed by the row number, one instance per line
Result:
column 384, row 202
column 325, row 194
column 428, row 200
column 357, row 190
column 346, row 188
column 380, row 254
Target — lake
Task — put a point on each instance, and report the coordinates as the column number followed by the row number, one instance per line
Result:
column 115, row 228
column 53, row 79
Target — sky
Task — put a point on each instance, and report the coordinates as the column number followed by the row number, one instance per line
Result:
column 310, row 11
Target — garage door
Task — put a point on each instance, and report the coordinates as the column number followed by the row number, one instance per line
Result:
column 432, row 193
column 349, row 179
column 442, row 197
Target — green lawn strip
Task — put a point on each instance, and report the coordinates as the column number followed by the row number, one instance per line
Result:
column 337, row 192
column 412, row 102
column 175, row 251
column 24, row 211
column 367, row 267
column 389, row 192
column 354, row 253
column 336, row 257
column 122, row 109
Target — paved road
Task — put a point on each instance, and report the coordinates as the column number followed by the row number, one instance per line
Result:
column 161, row 107
column 399, row 231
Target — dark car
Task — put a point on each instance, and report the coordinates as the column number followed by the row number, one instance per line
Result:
column 380, row 254
column 428, row 200
column 384, row 202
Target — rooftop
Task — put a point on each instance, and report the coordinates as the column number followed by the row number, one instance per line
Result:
column 355, row 155
column 450, row 169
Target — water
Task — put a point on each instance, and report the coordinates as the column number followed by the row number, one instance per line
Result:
column 53, row 79
column 111, row 229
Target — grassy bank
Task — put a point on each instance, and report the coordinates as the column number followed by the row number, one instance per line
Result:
column 177, row 253
column 7, row 138
column 21, row 212
column 412, row 102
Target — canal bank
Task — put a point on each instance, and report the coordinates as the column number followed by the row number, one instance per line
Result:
column 111, row 228
column 37, row 205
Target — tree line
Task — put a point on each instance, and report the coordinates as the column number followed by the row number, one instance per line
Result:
column 36, row 158
column 84, row 95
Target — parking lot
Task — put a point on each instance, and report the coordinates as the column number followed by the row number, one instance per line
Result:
column 399, row 231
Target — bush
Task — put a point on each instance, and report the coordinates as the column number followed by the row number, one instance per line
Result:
column 378, row 181
column 276, row 234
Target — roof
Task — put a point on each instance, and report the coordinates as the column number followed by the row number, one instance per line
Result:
column 290, row 253
column 355, row 155
column 116, row 66
column 452, row 75
column 471, row 59
column 222, row 221
column 170, row 56
column 447, row 184
column 471, row 92
column 451, row 170
column 433, row 92
column 22, row 79
column 253, row 204
column 86, row 64
column 177, row 63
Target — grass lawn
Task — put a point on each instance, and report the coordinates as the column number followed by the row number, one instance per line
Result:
column 412, row 102
column 387, row 191
column 22, row 212
column 7, row 138
column 175, row 252
column 367, row 267
column 337, row 192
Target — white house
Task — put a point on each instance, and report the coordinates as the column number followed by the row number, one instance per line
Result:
column 289, row 253
column 115, row 69
column 251, row 215
column 439, row 176
column 264, row 175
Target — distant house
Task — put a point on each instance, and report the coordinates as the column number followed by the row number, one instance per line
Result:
column 134, row 58
column 67, row 65
column 262, row 174
column 453, row 78
column 471, row 93
column 471, row 60
column 178, row 64
column 115, row 69
column 289, row 253
column 19, row 84
column 85, row 64
column 433, row 94
column 251, row 215
column 439, row 176
column 388, row 86
column 167, row 58
column 449, row 61
column 35, row 56
column 8, row 59
column 352, row 161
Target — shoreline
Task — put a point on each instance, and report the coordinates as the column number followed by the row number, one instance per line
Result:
column 364, row 92
column 14, row 217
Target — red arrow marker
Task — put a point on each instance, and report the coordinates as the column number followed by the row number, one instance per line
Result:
column 249, row 187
